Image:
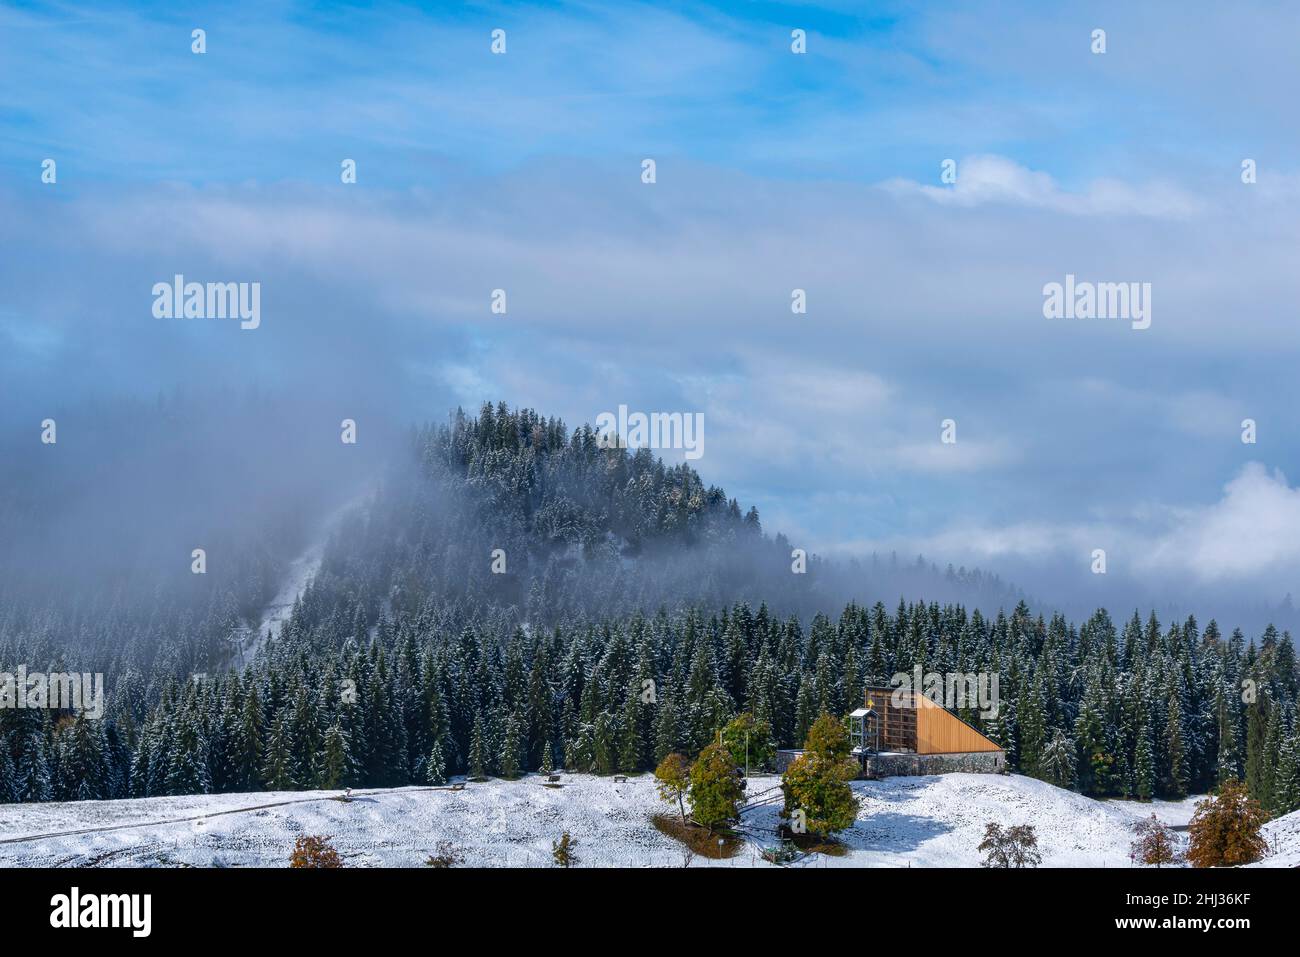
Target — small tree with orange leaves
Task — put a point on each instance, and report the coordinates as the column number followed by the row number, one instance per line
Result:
column 1225, row 829
column 314, row 851
column 1153, row 844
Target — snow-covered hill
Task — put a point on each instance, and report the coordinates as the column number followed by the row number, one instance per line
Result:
column 1283, row 836
column 933, row 821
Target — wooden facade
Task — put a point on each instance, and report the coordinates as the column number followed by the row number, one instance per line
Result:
column 911, row 722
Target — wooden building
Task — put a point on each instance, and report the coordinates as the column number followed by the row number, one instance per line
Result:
column 907, row 722
column 904, row 732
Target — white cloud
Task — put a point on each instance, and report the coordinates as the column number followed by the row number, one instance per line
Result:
column 1253, row 530
column 1250, row 536
column 986, row 179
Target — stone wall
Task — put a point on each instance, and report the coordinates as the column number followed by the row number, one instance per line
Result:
column 889, row 765
column 892, row 765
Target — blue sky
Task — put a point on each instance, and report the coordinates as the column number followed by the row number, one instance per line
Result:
column 775, row 171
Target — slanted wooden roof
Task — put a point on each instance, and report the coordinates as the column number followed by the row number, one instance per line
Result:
column 939, row 731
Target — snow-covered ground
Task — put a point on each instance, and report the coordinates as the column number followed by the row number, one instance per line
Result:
column 935, row 821
column 1171, row 813
column 1283, row 836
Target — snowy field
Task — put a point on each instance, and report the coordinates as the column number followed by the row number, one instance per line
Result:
column 935, row 821
column 1171, row 813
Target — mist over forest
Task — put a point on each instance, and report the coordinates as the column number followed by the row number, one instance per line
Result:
column 102, row 523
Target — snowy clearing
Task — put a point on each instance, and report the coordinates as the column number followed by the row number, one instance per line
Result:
column 935, row 821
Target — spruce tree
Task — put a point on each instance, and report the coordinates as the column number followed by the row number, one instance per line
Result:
column 337, row 767
column 34, row 782
column 1057, row 765
column 1033, row 729
column 278, row 764
column 1257, row 769
column 512, row 748
column 1175, row 768
column 436, row 767
column 1286, row 786
column 477, row 751
column 8, row 774
column 548, row 761
column 1144, row 766
column 667, row 731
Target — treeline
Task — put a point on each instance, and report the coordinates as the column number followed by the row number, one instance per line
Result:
column 1140, row 711
column 516, row 597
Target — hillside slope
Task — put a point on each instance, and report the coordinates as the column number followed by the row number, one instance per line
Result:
column 1283, row 836
column 932, row 821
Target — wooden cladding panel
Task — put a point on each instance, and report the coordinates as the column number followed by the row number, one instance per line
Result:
column 941, row 732
column 897, row 724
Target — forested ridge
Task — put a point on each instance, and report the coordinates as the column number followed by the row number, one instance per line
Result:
column 408, row 659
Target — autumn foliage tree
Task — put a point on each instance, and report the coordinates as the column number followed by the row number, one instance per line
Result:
column 715, row 788
column 313, row 850
column 673, row 779
column 1153, row 843
column 1225, row 830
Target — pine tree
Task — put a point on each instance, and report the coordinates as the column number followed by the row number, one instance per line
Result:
column 1228, row 765
column 629, row 739
column 1175, row 771
column 84, row 763
column 188, row 771
column 1257, row 768
column 33, row 776
column 1272, row 758
column 604, row 744
column 1033, row 729
column 667, row 732
column 337, row 767
column 1057, row 765
column 1095, row 773
column 245, row 749
column 277, row 766
column 511, row 748
column 548, row 760
column 477, row 751
column 8, row 774
column 1286, row 793
column 1144, row 766
column 436, row 766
